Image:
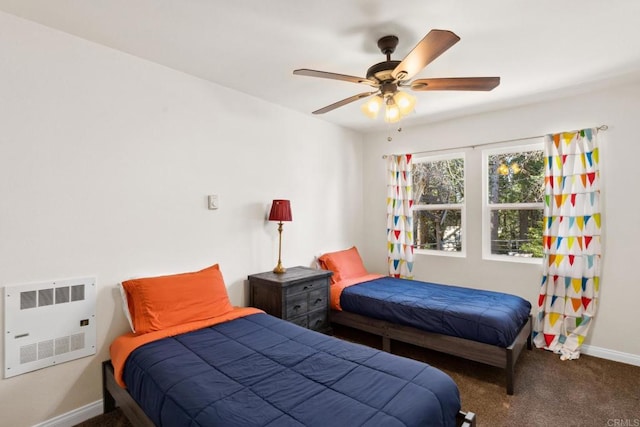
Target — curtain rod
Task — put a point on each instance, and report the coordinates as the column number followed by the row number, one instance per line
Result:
column 600, row 128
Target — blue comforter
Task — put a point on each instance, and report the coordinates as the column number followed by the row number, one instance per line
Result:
column 484, row 316
column 262, row 371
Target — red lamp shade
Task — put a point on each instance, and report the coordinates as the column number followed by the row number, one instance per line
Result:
column 280, row 211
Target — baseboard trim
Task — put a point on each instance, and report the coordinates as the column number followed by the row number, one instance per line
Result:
column 74, row 417
column 617, row 356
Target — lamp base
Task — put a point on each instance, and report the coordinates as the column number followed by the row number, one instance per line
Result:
column 279, row 268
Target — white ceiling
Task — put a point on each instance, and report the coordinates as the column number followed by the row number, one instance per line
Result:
column 539, row 48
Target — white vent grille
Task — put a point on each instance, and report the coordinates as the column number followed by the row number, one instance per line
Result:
column 45, row 297
column 77, row 342
column 29, row 353
column 62, row 345
column 62, row 295
column 28, row 300
column 45, row 349
column 48, row 323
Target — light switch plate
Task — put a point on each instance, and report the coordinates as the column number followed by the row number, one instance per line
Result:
column 213, row 201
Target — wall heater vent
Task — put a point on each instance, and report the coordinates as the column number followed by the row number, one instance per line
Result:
column 48, row 323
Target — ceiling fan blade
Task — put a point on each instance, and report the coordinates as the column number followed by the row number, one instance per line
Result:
column 429, row 48
column 334, row 76
column 344, row 102
column 456, row 83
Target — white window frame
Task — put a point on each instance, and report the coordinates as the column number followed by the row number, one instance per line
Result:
column 487, row 207
column 451, row 206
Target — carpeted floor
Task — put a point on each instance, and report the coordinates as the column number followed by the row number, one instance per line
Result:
column 548, row 392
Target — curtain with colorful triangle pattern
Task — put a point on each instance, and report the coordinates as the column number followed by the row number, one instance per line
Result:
column 400, row 216
column 572, row 253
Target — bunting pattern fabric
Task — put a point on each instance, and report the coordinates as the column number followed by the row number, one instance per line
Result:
column 400, row 216
column 572, row 253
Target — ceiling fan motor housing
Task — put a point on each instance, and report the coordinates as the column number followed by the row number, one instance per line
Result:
column 382, row 71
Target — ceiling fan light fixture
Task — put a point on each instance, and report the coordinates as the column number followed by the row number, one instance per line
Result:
column 405, row 102
column 391, row 111
column 395, row 106
column 371, row 108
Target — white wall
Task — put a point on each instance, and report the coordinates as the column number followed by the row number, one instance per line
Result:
column 106, row 161
column 615, row 326
column 105, row 164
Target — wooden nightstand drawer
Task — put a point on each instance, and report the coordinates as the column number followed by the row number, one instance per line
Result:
column 317, row 299
column 318, row 320
column 305, row 287
column 300, row 295
column 296, row 305
column 300, row 321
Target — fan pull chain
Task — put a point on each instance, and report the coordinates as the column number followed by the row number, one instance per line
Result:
column 389, row 137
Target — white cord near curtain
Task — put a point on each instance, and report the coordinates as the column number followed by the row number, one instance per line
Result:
column 570, row 286
column 400, row 216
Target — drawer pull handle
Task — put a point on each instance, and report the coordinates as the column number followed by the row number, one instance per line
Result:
column 318, row 300
column 296, row 307
column 305, row 288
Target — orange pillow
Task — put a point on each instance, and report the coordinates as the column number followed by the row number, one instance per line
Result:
column 345, row 264
column 157, row 303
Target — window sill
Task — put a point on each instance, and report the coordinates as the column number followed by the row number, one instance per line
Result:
column 440, row 253
column 516, row 259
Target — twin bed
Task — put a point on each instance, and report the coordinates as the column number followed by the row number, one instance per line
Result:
column 484, row 326
column 196, row 360
column 258, row 370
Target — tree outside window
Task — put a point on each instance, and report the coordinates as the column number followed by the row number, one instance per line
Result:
column 438, row 212
column 514, row 189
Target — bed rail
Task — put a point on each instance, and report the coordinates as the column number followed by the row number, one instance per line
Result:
column 114, row 396
column 504, row 358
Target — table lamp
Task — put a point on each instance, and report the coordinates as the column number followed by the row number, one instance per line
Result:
column 280, row 211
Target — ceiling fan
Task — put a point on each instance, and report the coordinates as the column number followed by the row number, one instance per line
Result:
column 389, row 76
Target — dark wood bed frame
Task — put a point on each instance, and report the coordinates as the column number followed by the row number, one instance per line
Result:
column 485, row 353
column 114, row 396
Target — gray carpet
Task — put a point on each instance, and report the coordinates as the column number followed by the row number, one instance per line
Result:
column 548, row 392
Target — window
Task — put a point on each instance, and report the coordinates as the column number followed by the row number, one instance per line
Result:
column 438, row 210
column 513, row 197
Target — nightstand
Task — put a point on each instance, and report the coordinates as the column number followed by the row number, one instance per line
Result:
column 300, row 295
